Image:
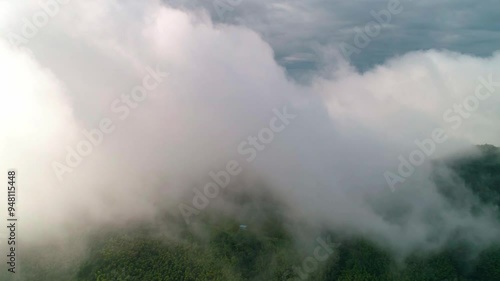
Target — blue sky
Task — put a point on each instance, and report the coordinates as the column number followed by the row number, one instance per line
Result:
column 297, row 29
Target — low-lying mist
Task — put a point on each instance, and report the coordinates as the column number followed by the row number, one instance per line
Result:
column 118, row 112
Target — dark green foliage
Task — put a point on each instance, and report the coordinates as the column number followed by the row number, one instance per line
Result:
column 241, row 248
column 229, row 255
column 266, row 251
column 123, row 258
column 488, row 265
column 361, row 260
column 481, row 173
column 436, row 267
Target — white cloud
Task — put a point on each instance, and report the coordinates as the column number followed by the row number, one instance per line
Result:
column 223, row 86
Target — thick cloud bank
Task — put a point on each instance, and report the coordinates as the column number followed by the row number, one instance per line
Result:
column 111, row 109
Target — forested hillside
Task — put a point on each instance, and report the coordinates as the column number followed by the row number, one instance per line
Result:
column 266, row 251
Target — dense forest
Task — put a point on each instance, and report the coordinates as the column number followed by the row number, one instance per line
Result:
column 264, row 250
